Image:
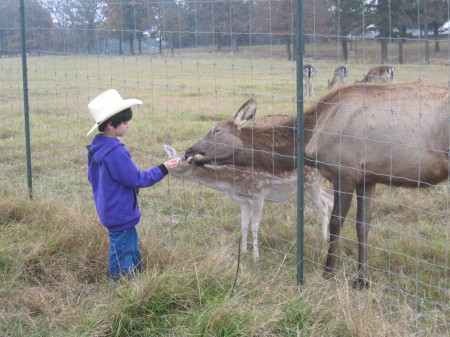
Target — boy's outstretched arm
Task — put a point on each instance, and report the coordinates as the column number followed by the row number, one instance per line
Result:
column 123, row 170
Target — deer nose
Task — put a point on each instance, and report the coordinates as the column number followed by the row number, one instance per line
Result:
column 187, row 153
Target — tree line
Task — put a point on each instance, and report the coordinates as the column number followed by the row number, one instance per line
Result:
column 83, row 26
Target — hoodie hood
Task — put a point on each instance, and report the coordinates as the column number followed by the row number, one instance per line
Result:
column 101, row 146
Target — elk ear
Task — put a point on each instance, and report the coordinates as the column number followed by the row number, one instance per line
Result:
column 170, row 151
column 245, row 113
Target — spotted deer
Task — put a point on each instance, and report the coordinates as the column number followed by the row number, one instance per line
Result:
column 309, row 79
column 357, row 136
column 251, row 187
column 379, row 74
column 339, row 77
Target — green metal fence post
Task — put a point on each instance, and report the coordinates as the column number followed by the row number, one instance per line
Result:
column 25, row 99
column 300, row 202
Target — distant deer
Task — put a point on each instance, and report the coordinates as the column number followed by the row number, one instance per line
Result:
column 339, row 77
column 309, row 79
column 358, row 136
column 251, row 183
column 379, row 74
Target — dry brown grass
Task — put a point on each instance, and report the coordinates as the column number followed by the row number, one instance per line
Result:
column 54, row 278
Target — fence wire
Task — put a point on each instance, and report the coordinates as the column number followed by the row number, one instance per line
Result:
column 193, row 64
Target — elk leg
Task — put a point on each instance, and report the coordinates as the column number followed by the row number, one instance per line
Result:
column 342, row 201
column 363, row 216
column 257, row 205
column 245, row 220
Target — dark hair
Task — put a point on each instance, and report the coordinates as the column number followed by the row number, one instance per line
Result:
column 117, row 119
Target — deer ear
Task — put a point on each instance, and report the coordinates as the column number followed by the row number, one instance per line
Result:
column 170, row 151
column 246, row 112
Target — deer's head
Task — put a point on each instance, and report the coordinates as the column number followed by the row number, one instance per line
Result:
column 330, row 85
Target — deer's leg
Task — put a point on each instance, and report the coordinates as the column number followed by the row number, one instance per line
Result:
column 342, row 201
column 313, row 192
column 245, row 221
column 363, row 216
column 326, row 201
column 257, row 207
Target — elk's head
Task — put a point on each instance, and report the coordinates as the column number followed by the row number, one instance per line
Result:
column 223, row 143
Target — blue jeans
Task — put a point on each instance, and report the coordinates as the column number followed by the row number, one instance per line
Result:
column 124, row 253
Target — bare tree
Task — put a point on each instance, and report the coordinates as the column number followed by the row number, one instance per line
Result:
column 81, row 17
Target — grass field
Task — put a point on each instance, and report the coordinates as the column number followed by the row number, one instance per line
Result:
column 53, row 251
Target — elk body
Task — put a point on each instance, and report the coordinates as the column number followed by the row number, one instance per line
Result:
column 358, row 136
column 379, row 74
column 309, row 79
column 339, row 77
column 250, row 183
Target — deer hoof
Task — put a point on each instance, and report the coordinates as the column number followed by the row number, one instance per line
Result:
column 328, row 273
column 360, row 283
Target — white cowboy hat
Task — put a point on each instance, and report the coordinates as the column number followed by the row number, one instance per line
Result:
column 107, row 105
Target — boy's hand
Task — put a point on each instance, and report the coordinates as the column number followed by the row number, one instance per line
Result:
column 172, row 163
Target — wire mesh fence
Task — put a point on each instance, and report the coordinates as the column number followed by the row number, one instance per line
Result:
column 193, row 64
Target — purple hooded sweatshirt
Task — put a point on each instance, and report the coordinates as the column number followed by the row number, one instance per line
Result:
column 114, row 178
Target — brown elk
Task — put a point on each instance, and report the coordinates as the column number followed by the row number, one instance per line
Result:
column 339, row 77
column 357, row 136
column 309, row 79
column 379, row 74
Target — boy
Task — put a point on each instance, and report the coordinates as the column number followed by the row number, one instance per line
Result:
column 115, row 180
